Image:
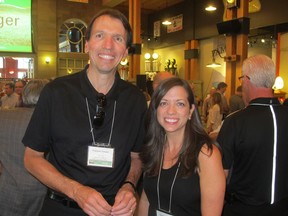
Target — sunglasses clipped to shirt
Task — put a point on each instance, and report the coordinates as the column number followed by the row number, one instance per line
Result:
column 100, row 113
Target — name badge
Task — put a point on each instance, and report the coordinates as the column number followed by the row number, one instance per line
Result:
column 162, row 213
column 100, row 156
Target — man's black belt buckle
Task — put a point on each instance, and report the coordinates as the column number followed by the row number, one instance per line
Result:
column 62, row 199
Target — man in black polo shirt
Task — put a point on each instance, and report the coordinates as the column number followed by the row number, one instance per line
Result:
column 254, row 144
column 91, row 124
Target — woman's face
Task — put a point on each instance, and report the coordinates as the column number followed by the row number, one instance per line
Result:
column 174, row 110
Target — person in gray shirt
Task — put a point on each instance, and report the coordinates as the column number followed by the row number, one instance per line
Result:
column 20, row 193
column 236, row 101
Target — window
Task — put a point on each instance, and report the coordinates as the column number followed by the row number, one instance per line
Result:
column 72, row 36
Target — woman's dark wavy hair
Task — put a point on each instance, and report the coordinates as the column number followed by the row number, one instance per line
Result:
column 194, row 136
column 114, row 14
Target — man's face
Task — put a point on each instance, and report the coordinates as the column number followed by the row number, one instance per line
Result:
column 19, row 87
column 223, row 90
column 107, row 44
column 8, row 90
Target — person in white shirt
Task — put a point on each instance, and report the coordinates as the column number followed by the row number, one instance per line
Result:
column 215, row 115
column 11, row 99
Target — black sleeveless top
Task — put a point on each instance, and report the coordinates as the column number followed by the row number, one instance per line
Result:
column 185, row 193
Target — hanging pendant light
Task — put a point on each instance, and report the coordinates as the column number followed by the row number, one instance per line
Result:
column 210, row 6
column 166, row 22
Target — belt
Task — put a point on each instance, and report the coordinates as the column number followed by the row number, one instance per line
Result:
column 62, row 199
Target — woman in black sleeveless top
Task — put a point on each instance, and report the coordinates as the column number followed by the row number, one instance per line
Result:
column 183, row 173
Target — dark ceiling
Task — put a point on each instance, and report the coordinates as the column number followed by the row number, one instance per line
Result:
column 153, row 6
column 147, row 6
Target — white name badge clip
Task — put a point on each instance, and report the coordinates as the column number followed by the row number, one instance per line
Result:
column 163, row 213
column 100, row 155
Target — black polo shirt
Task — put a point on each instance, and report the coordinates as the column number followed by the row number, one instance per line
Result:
column 60, row 126
column 255, row 150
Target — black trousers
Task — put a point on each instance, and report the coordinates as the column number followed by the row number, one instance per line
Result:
column 54, row 208
column 236, row 208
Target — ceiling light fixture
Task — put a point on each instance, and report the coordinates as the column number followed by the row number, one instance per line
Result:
column 166, row 22
column 210, row 8
column 233, row 4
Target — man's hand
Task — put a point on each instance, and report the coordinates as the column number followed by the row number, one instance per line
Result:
column 91, row 201
column 125, row 201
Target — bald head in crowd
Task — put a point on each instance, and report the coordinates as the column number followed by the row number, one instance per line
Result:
column 159, row 77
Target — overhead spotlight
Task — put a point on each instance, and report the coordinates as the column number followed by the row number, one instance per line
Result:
column 232, row 3
column 166, row 22
column 210, row 8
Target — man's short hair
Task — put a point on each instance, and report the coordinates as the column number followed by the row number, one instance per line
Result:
column 221, row 85
column 11, row 85
column 261, row 70
column 116, row 15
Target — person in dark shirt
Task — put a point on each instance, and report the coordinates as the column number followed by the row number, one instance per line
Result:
column 285, row 102
column 221, row 88
column 92, row 125
column 183, row 173
column 236, row 101
column 254, row 145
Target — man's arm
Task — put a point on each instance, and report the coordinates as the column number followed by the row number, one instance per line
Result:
column 125, row 200
column 135, row 168
column 87, row 198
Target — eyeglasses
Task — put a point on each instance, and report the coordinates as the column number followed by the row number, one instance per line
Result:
column 100, row 113
column 241, row 77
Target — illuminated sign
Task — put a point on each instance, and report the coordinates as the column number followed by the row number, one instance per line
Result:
column 15, row 26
